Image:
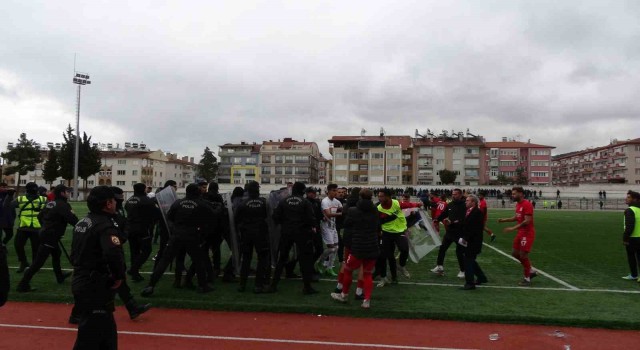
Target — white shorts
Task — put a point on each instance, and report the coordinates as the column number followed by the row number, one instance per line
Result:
column 329, row 235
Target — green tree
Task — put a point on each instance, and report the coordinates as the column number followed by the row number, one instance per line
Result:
column 503, row 179
column 447, row 176
column 51, row 168
column 207, row 168
column 89, row 163
column 521, row 177
column 67, row 154
column 22, row 158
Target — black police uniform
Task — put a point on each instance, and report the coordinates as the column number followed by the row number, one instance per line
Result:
column 98, row 261
column 141, row 215
column 295, row 215
column 4, row 275
column 212, row 237
column 251, row 220
column 54, row 219
column 187, row 217
column 456, row 211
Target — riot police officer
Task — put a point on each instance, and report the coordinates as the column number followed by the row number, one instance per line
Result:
column 295, row 216
column 54, row 219
column 98, row 271
column 141, row 214
column 250, row 218
column 188, row 218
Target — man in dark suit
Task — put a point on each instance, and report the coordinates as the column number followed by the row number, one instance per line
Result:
column 472, row 241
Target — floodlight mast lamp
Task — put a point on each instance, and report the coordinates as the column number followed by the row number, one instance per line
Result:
column 78, row 79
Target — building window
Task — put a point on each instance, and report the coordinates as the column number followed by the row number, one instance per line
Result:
column 340, row 155
column 472, row 161
column 540, row 152
column 393, row 167
column 353, row 167
column 539, row 174
column 393, row 179
column 266, row 170
column 391, row 155
column 120, row 183
column 134, row 172
column 377, row 178
column 341, row 167
column 122, row 172
column 377, row 167
column 266, row 159
column 426, row 150
column 288, row 159
column 377, row 155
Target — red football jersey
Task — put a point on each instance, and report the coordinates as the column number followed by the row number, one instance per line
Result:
column 525, row 208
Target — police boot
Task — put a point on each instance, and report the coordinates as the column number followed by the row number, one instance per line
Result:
column 147, row 291
column 23, row 266
column 135, row 309
column 24, row 288
column 60, row 279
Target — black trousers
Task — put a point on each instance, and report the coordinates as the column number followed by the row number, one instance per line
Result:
column 96, row 331
column 304, row 250
column 389, row 243
column 208, row 267
column 140, row 246
column 175, row 245
column 4, row 275
column 446, row 242
column 21, row 241
column 8, row 233
column 633, row 255
column 259, row 243
column 472, row 269
column 41, row 257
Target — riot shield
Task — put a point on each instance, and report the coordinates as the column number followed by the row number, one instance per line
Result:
column 233, row 234
column 422, row 236
column 165, row 199
column 274, row 230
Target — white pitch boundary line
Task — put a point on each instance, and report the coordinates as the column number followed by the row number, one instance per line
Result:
column 458, row 285
column 557, row 280
column 246, row 339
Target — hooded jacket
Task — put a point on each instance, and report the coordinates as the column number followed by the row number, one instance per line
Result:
column 363, row 226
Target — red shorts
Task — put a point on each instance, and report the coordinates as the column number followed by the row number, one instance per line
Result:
column 523, row 242
column 347, row 251
column 354, row 263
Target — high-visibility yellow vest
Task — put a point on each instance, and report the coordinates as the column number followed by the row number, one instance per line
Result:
column 399, row 225
column 636, row 229
column 29, row 210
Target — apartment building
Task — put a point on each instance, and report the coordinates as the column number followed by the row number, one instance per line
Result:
column 457, row 152
column 372, row 160
column 507, row 156
column 124, row 167
column 289, row 160
column 618, row 162
column 239, row 163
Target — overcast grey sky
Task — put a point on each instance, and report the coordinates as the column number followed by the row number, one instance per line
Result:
column 182, row 75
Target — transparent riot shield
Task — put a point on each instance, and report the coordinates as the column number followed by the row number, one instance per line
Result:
column 165, row 199
column 274, row 230
column 233, row 234
column 422, row 236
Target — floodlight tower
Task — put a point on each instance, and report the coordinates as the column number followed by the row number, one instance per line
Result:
column 78, row 79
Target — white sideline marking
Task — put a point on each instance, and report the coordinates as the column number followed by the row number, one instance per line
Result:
column 458, row 285
column 537, row 270
column 247, row 339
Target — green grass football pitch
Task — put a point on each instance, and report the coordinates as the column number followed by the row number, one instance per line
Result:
column 580, row 253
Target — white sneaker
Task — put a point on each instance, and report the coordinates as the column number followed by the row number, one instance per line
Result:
column 383, row 282
column 339, row 297
column 461, row 274
column 366, row 304
column 438, row 270
column 403, row 270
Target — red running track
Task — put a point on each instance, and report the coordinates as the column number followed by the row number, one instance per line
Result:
column 44, row 326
